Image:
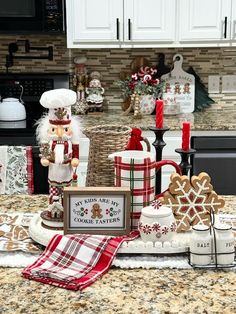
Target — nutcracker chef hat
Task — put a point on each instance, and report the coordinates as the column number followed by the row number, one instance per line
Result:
column 59, row 102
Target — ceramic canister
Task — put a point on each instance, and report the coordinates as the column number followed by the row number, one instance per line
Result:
column 157, row 224
column 200, row 245
column 224, row 244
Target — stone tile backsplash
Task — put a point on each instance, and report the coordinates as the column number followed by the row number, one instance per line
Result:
column 111, row 62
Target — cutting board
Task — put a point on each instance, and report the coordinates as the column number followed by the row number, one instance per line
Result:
column 181, row 84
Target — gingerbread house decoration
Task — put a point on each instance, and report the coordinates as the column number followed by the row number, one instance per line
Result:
column 55, row 209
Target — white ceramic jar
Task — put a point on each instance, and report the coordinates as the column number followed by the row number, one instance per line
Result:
column 224, row 244
column 147, row 104
column 157, row 224
column 200, row 245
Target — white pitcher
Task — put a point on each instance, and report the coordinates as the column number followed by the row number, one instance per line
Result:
column 137, row 170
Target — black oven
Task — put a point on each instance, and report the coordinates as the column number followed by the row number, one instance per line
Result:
column 216, row 155
column 32, row 16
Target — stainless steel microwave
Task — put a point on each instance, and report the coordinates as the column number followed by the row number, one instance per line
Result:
column 32, row 16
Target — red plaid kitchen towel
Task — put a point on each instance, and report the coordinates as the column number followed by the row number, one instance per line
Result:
column 75, row 261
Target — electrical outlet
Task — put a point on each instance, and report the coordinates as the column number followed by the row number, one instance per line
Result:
column 213, row 84
column 229, row 84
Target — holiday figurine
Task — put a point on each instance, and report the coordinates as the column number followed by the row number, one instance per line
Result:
column 58, row 135
column 80, row 82
column 95, row 92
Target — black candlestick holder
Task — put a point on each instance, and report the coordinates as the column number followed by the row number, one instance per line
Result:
column 184, row 164
column 158, row 144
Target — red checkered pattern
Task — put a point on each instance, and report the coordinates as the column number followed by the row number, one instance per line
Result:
column 75, row 261
column 30, row 173
column 140, row 177
column 54, row 191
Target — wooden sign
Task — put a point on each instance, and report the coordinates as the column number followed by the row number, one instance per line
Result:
column 97, row 210
column 180, row 84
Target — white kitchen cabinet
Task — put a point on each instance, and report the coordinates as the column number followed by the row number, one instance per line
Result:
column 204, row 20
column 233, row 23
column 94, row 22
column 150, row 23
column 149, row 20
column 119, row 23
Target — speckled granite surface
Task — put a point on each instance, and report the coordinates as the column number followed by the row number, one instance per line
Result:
column 207, row 120
column 120, row 291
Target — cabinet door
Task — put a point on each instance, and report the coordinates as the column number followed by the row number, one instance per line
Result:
column 94, row 21
column 233, row 22
column 204, row 20
column 149, row 20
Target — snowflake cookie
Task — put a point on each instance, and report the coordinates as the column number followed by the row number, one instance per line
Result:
column 192, row 200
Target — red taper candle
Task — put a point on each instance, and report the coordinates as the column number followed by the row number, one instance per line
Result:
column 159, row 113
column 185, row 135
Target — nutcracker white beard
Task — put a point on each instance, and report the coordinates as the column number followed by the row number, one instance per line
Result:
column 59, row 153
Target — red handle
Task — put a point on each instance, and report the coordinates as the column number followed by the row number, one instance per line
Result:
column 162, row 163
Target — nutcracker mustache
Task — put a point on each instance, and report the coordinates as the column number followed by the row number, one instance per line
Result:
column 56, row 138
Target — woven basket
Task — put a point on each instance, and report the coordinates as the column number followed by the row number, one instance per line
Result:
column 104, row 140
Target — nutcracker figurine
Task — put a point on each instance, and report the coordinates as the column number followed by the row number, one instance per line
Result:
column 80, row 82
column 58, row 135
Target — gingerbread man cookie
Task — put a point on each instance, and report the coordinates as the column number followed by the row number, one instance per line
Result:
column 96, row 211
column 192, row 201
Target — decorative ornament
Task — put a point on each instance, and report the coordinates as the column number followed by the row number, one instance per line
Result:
column 81, row 107
column 141, row 82
column 58, row 136
column 80, row 83
column 95, row 92
column 135, row 140
column 156, row 204
column 192, row 200
column 136, row 106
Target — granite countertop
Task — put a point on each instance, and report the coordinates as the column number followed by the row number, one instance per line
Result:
column 144, row 291
column 205, row 120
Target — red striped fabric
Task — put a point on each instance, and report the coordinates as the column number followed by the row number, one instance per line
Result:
column 74, row 262
column 117, row 163
column 136, row 167
column 30, row 172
